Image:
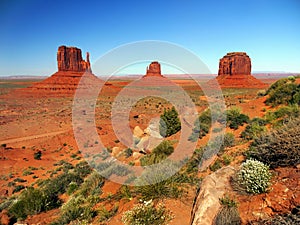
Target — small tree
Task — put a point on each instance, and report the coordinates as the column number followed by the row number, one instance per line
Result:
column 169, row 123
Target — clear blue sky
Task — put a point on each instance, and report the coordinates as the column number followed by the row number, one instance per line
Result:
column 32, row 30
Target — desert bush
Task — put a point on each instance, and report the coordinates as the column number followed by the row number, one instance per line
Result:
column 216, row 165
column 128, row 152
column 105, row 214
column 169, row 122
column 37, row 155
column 147, row 214
column 154, row 183
column 201, row 126
column 254, row 176
column 92, row 184
column 290, row 218
column 284, row 91
column 194, row 162
column 18, row 188
column 254, row 129
column 158, row 154
column 75, row 209
column 229, row 140
column 235, row 118
column 278, row 148
column 228, row 214
column 32, row 201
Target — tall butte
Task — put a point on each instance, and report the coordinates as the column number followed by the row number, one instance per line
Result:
column 235, row 71
column 71, row 68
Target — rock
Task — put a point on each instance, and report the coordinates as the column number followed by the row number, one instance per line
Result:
column 138, row 132
column 116, row 151
column 153, row 70
column 70, row 59
column 235, row 72
column 4, row 218
column 136, row 155
column 235, row 63
column 71, row 68
column 207, row 204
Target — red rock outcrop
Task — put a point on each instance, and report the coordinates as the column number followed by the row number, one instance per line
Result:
column 235, row 63
column 235, row 71
column 70, row 59
column 71, row 68
column 153, row 70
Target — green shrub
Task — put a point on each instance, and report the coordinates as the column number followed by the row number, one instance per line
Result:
column 32, row 201
column 284, row 91
column 155, row 183
column 254, row 129
column 37, row 155
column 158, row 154
column 18, row 188
column 169, row 123
column 278, row 148
column 128, row 152
column 105, row 214
column 235, row 118
column 147, row 214
column 254, row 176
column 201, row 126
column 229, row 140
column 216, row 165
column 75, row 209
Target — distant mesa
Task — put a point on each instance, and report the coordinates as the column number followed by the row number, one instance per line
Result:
column 71, row 68
column 153, row 70
column 235, row 71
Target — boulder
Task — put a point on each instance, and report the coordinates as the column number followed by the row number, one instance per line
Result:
column 207, row 203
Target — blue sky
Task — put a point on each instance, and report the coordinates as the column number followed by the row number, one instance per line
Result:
column 32, row 30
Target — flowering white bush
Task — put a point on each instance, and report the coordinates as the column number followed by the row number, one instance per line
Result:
column 146, row 214
column 254, row 176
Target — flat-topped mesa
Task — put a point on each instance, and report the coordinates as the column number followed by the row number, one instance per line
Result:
column 70, row 59
column 153, row 69
column 235, row 63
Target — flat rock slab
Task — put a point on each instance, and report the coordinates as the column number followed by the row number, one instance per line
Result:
column 213, row 187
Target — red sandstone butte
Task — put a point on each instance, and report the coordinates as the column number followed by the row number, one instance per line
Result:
column 235, row 72
column 153, row 70
column 71, row 68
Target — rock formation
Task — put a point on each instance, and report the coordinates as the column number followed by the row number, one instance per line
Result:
column 70, row 59
column 235, row 63
column 153, row 70
column 235, row 72
column 207, row 203
column 71, row 68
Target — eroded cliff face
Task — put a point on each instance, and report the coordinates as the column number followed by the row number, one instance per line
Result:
column 235, row 72
column 235, row 63
column 153, row 70
column 70, row 69
column 70, row 59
